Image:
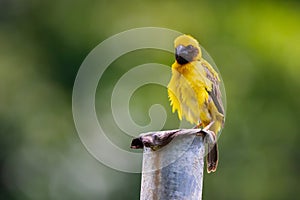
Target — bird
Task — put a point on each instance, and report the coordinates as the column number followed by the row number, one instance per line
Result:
column 194, row 92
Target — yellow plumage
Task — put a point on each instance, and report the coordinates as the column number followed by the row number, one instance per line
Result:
column 194, row 89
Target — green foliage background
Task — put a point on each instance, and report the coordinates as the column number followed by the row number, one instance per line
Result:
column 256, row 45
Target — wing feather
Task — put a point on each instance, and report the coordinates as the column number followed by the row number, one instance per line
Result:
column 215, row 92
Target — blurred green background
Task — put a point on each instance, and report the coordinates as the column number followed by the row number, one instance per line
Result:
column 255, row 44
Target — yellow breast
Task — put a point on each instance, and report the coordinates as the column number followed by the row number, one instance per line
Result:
column 188, row 92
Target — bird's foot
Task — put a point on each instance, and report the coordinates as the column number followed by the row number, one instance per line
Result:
column 209, row 136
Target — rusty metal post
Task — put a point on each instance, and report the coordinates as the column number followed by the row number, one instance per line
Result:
column 175, row 171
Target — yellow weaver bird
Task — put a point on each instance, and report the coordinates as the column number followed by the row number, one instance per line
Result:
column 195, row 94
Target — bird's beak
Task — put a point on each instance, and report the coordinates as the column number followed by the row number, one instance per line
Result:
column 182, row 55
column 181, row 51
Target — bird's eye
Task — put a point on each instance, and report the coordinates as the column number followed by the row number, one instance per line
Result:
column 189, row 47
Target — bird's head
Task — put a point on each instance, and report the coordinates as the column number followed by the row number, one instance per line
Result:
column 187, row 49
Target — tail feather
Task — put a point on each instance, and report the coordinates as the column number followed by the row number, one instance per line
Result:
column 212, row 158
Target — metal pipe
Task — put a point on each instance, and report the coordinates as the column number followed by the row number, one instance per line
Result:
column 174, row 171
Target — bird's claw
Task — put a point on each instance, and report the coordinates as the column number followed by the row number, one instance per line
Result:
column 210, row 137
